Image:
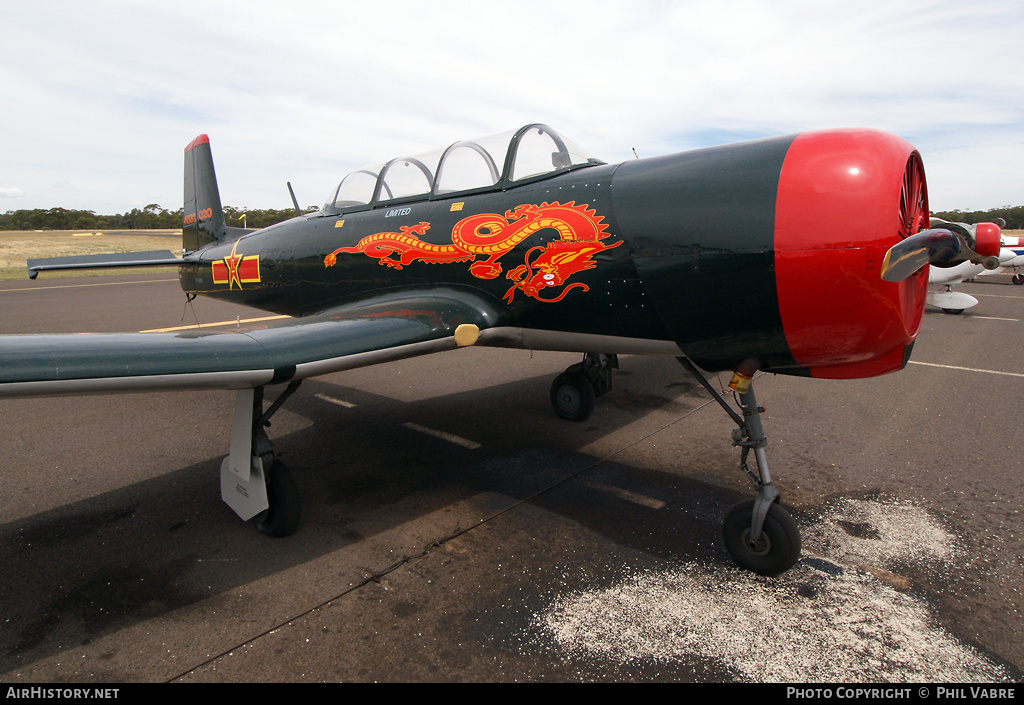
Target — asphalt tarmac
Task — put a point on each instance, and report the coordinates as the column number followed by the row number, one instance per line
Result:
column 454, row 529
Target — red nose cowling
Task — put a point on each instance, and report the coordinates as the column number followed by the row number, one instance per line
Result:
column 844, row 198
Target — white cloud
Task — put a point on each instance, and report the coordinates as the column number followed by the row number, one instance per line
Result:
column 305, row 91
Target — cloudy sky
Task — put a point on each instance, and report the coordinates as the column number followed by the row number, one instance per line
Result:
column 101, row 97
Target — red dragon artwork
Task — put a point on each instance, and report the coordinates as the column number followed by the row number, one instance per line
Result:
column 490, row 236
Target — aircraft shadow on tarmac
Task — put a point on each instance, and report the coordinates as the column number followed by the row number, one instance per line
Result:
column 149, row 548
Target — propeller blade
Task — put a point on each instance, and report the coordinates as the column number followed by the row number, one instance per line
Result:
column 939, row 247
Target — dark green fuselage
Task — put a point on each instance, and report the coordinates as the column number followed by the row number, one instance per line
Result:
column 689, row 252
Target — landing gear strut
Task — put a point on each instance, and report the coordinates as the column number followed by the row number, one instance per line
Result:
column 760, row 535
column 573, row 392
column 254, row 482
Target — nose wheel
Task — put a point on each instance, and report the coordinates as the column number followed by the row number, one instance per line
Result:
column 774, row 550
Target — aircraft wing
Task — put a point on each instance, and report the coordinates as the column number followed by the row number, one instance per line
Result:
column 388, row 327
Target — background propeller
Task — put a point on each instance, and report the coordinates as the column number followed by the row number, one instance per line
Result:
column 944, row 246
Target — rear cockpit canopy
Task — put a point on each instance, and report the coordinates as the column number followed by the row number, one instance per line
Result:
column 531, row 153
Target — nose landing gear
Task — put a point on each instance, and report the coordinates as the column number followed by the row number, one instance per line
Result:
column 761, row 536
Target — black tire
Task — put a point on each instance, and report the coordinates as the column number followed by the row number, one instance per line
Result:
column 779, row 547
column 1017, row 279
column 572, row 396
column 953, row 311
column 282, row 518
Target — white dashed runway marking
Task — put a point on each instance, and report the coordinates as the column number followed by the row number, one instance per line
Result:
column 451, row 438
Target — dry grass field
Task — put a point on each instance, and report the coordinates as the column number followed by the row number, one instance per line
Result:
column 16, row 246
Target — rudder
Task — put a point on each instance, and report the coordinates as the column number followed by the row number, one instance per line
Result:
column 203, row 214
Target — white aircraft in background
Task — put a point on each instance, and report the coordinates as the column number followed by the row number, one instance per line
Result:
column 1016, row 263
column 942, row 279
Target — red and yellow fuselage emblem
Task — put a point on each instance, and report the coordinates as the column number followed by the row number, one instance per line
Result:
column 485, row 238
column 237, row 269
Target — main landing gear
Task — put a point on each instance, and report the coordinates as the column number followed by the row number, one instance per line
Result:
column 253, row 482
column 760, row 535
column 573, row 392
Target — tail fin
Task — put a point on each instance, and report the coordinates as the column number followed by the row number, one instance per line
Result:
column 203, row 213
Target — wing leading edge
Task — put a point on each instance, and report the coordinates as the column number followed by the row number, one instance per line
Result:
column 387, row 328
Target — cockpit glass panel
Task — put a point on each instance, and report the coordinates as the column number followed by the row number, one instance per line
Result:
column 541, row 151
column 464, row 166
column 473, row 164
column 356, row 189
column 535, row 155
column 578, row 155
column 404, row 178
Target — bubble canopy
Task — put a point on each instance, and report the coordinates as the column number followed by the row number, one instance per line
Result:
column 490, row 163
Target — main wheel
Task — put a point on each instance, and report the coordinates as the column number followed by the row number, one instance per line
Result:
column 953, row 311
column 572, row 396
column 775, row 551
column 1017, row 279
column 282, row 518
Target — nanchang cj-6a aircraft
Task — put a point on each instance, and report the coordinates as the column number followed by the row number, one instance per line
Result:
column 803, row 255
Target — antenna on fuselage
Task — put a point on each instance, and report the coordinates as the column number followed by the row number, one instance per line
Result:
column 635, row 154
column 295, row 201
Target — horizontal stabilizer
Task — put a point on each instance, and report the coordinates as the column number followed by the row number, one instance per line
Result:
column 152, row 258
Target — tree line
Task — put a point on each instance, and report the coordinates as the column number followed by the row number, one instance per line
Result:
column 152, row 217
column 1013, row 215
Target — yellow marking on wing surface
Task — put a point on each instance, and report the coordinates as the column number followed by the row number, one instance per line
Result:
column 237, row 321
